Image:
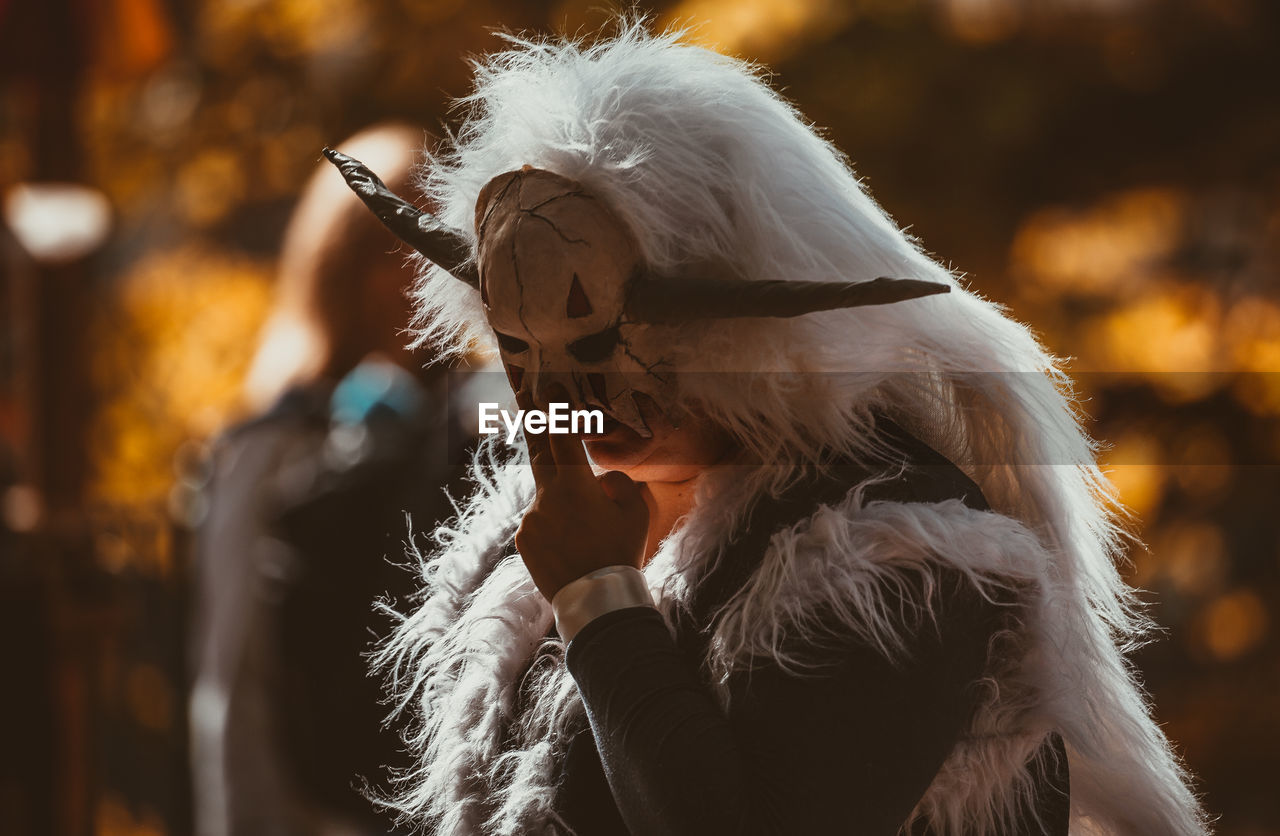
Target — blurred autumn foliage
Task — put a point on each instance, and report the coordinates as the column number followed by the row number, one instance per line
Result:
column 1108, row 169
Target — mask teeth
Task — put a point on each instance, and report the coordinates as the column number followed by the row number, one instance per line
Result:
column 515, row 374
column 590, row 402
column 627, row 412
column 643, row 428
column 589, row 397
column 599, row 388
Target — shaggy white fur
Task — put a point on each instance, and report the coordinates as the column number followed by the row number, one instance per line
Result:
column 710, row 166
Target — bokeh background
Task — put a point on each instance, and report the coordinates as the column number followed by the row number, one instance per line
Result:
column 1108, row 169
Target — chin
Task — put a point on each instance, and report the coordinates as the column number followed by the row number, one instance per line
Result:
column 661, row 458
column 621, row 449
column 649, row 472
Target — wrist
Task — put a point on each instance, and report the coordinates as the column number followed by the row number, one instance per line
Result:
column 594, row 594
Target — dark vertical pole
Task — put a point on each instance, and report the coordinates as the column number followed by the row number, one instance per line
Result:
column 44, row 57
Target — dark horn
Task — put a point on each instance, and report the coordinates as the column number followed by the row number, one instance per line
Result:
column 443, row 246
column 664, row 301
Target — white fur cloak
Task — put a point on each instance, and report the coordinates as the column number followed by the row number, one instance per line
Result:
column 458, row 661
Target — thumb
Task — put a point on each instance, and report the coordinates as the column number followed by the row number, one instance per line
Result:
column 619, row 487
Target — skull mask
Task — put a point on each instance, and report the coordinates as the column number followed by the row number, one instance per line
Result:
column 554, row 266
column 568, row 295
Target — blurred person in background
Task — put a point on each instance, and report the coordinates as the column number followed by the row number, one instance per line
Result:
column 306, row 502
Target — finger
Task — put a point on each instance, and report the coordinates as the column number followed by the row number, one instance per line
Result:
column 619, row 487
column 569, row 452
column 566, row 448
column 541, row 459
column 573, row 468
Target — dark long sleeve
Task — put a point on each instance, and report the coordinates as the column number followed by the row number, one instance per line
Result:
column 848, row 748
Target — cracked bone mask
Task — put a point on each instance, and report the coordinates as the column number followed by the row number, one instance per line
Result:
column 554, row 262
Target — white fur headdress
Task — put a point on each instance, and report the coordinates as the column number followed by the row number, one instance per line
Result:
column 709, row 166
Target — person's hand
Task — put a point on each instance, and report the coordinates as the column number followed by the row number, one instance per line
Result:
column 578, row 522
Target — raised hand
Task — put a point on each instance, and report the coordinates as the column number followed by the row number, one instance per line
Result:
column 578, row 522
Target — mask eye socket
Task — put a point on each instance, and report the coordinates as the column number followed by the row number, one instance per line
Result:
column 510, row 344
column 595, row 347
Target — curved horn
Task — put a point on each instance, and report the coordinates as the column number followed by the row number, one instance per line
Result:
column 664, row 301
column 441, row 245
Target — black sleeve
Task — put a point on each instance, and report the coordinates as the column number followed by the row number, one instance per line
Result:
column 848, row 748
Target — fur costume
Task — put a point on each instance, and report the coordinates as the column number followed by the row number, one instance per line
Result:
column 710, row 166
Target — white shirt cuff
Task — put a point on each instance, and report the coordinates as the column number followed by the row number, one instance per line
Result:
column 591, row 596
